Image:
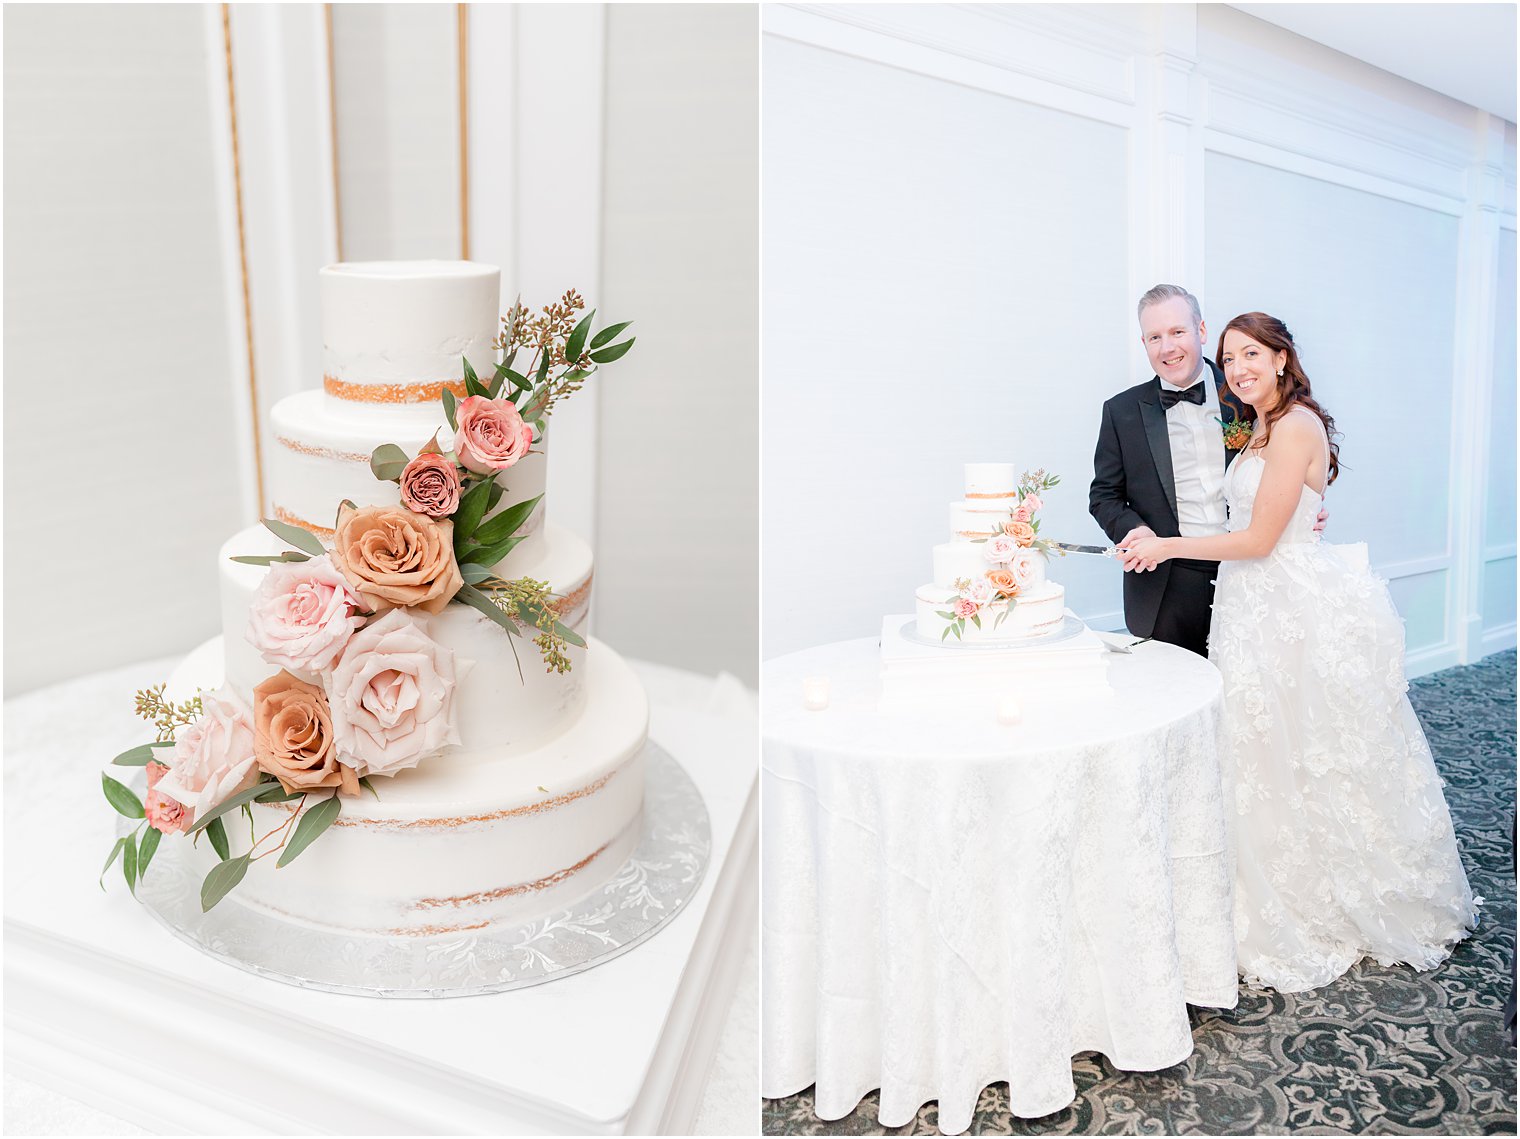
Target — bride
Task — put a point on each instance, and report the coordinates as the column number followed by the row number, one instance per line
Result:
column 1344, row 846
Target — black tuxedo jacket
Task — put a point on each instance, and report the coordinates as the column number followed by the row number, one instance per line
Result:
column 1133, row 484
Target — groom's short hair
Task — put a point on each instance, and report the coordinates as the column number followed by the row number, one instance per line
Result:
column 1156, row 294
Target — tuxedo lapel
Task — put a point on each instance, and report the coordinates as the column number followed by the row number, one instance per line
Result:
column 1153, row 416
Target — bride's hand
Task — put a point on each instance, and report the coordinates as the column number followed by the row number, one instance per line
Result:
column 1146, row 553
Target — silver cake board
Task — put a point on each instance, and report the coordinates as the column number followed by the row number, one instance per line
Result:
column 646, row 892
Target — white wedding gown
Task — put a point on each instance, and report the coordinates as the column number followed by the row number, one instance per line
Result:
column 1344, row 847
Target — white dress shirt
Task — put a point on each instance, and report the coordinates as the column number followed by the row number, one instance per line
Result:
column 1198, row 461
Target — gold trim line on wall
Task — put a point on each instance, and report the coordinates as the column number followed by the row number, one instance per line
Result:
column 332, row 128
column 237, row 185
column 464, row 130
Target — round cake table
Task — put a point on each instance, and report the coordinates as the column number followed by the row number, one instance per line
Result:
column 951, row 901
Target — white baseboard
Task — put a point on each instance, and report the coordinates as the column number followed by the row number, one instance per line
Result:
column 1498, row 640
column 1422, row 662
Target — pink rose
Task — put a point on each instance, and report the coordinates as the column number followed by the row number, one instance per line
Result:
column 965, row 608
column 303, row 614
column 165, row 815
column 393, row 696
column 491, row 436
column 213, row 757
column 980, row 591
column 1033, row 502
column 1022, row 513
column 1025, row 569
column 430, row 485
column 1000, row 549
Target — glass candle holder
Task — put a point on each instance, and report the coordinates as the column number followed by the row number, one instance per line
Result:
column 815, row 693
column 1009, row 710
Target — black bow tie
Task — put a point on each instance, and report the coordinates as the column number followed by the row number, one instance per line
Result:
column 1170, row 396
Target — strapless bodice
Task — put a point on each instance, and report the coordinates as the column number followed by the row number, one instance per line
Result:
column 1241, row 483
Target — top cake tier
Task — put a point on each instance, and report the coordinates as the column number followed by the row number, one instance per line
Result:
column 992, row 490
column 393, row 332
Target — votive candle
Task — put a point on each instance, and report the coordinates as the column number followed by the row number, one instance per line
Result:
column 815, row 693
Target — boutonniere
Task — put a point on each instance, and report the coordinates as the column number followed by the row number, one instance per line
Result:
column 1237, row 433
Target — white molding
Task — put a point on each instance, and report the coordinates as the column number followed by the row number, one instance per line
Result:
column 219, row 108
column 557, row 154
column 866, row 32
column 492, row 144
column 1498, row 640
column 1502, row 553
column 1415, row 567
column 1433, row 658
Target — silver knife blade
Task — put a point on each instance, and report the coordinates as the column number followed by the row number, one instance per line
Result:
column 1073, row 548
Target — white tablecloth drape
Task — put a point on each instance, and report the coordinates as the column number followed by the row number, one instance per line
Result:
column 948, row 902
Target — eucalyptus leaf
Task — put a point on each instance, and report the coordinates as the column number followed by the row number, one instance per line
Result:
column 472, row 384
column 121, row 797
column 217, row 833
column 300, row 538
column 146, row 847
column 518, row 381
column 141, row 755
column 490, row 555
column 116, row 850
column 368, row 786
column 316, row 820
column 543, row 371
column 569, row 635
column 129, row 862
column 577, row 342
column 472, row 508
column 271, row 559
column 507, row 523
column 493, row 389
column 606, row 335
column 275, row 793
column 494, row 498
column 230, row 803
column 223, row 877
column 388, row 461
column 473, row 574
column 477, row 600
column 450, row 402
column 616, row 352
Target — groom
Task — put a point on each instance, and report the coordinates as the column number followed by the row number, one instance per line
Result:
column 1159, row 469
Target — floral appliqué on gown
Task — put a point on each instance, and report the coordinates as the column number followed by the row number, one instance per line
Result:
column 1344, row 847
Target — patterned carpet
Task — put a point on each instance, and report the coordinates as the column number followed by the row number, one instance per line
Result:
column 1380, row 1051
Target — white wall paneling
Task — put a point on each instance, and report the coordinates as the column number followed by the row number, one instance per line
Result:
column 121, row 348
column 1260, row 169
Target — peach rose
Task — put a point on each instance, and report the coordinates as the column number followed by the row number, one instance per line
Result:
column 430, row 485
column 213, row 757
column 1021, row 532
column 491, row 434
column 965, row 608
column 393, row 696
column 165, row 815
column 303, row 614
column 394, row 557
column 1004, row 582
column 293, row 737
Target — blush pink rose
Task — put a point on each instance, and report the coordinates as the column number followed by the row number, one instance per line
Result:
column 213, row 757
column 1026, row 569
column 491, row 434
column 1033, row 502
column 980, row 591
column 965, row 608
column 165, row 815
column 1022, row 512
column 1000, row 549
column 303, row 614
column 430, row 485
column 392, row 696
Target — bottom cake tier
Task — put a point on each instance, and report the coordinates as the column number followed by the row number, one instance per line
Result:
column 446, row 849
column 1035, row 613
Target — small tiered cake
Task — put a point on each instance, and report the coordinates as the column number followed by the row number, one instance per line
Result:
column 990, row 581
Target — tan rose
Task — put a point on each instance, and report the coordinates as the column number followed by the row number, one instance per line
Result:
column 394, row 557
column 1004, row 582
column 293, row 737
column 1020, row 532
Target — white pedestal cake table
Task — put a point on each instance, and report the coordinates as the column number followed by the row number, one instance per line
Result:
column 948, row 901
column 106, row 1006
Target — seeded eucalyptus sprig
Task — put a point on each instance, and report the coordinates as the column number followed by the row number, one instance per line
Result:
column 165, row 715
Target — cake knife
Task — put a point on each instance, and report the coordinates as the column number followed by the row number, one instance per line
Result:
column 1073, row 548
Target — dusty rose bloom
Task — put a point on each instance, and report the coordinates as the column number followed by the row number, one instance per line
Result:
column 491, row 434
column 166, row 815
column 965, row 607
column 1033, row 502
column 430, row 485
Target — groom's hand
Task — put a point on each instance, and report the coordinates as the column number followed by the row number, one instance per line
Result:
column 1319, row 523
column 1130, row 561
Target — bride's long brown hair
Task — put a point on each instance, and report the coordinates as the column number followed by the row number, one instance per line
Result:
column 1292, row 385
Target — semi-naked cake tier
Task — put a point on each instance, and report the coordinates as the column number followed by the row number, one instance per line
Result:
column 991, row 496
column 451, row 845
column 541, row 799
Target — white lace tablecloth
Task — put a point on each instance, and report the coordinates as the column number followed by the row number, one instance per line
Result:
column 951, row 903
